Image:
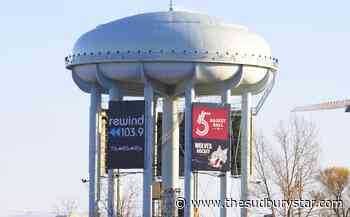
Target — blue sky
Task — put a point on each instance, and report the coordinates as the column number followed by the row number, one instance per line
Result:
column 44, row 117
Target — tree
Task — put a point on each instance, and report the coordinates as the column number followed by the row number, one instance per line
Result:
column 288, row 168
column 336, row 187
column 65, row 208
column 127, row 201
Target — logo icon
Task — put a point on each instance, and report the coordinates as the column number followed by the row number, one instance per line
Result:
column 203, row 127
column 115, row 132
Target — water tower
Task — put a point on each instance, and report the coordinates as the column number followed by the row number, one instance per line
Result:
column 171, row 55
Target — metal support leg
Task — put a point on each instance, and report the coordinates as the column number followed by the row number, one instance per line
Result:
column 225, row 98
column 147, row 174
column 114, row 95
column 246, row 113
column 189, row 98
column 95, row 103
column 170, row 155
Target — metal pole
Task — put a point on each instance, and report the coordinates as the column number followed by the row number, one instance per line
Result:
column 147, row 174
column 114, row 95
column 246, row 115
column 225, row 98
column 189, row 98
column 170, row 155
column 95, row 102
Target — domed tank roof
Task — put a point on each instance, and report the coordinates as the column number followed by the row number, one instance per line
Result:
column 171, row 36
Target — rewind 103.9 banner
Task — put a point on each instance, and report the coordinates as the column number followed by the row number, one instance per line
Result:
column 126, row 135
column 210, row 137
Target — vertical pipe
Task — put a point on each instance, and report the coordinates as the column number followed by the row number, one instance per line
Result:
column 170, row 155
column 155, row 139
column 225, row 98
column 246, row 113
column 155, row 150
column 195, row 187
column 95, row 101
column 153, row 208
column 114, row 95
column 251, row 143
column 189, row 98
column 118, row 179
column 147, row 174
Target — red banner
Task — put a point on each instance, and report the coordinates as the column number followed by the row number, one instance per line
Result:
column 210, row 122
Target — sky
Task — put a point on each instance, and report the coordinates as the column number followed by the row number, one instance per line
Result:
column 44, row 116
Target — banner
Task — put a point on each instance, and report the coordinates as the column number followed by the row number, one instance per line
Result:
column 236, row 141
column 126, row 134
column 236, row 118
column 210, row 137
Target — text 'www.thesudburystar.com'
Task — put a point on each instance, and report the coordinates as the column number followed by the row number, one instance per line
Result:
column 259, row 203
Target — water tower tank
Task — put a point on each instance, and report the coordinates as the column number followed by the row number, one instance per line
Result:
column 171, row 47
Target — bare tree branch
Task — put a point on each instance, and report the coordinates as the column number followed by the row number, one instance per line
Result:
column 65, row 208
column 288, row 168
